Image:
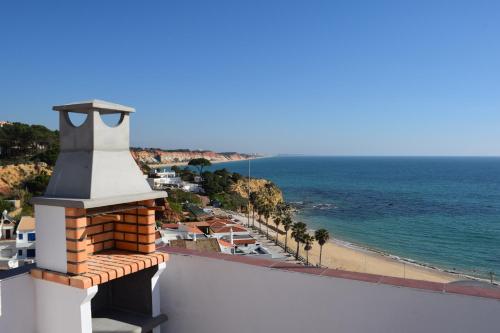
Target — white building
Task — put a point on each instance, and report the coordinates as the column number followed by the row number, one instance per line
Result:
column 160, row 178
column 26, row 237
column 191, row 187
column 7, row 226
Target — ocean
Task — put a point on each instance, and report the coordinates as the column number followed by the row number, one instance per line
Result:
column 437, row 211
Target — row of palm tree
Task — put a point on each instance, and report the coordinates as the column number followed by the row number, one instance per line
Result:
column 300, row 235
column 282, row 212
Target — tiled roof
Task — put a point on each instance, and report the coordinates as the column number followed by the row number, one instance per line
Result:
column 198, row 224
column 27, row 223
column 227, row 229
column 170, row 225
column 194, row 230
column 218, row 224
column 244, row 241
column 224, row 243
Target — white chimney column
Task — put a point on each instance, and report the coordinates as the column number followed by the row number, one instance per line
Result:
column 231, row 236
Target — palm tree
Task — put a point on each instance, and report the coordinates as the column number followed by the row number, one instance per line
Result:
column 308, row 241
column 322, row 236
column 298, row 231
column 287, row 224
column 267, row 214
column 278, row 215
column 260, row 211
column 253, row 201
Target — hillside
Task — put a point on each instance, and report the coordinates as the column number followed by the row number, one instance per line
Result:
column 159, row 156
column 258, row 186
column 12, row 175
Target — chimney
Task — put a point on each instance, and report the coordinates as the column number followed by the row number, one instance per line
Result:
column 94, row 160
column 95, row 225
column 231, row 236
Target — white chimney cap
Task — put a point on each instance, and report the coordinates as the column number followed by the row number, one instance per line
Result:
column 95, row 104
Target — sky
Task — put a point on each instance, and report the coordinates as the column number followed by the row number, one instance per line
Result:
column 271, row 77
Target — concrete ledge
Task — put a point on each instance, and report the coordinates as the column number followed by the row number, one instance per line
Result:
column 99, row 202
column 493, row 293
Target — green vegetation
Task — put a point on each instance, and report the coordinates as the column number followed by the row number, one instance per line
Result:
column 264, row 203
column 20, row 143
column 308, row 241
column 178, row 197
column 218, row 186
column 200, row 163
column 36, row 185
column 282, row 215
column 322, row 236
column 185, row 174
column 299, row 229
column 287, row 224
column 5, row 205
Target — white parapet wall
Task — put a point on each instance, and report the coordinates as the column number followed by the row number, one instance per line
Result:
column 17, row 306
column 202, row 294
column 63, row 309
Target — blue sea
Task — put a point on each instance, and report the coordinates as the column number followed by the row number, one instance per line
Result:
column 439, row 211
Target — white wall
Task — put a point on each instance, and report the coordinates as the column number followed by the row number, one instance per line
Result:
column 63, row 309
column 211, row 295
column 17, row 306
column 51, row 238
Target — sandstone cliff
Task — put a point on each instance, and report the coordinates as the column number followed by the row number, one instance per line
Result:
column 12, row 175
column 158, row 156
column 258, row 185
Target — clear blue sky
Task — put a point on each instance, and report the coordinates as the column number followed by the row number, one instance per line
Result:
column 310, row 77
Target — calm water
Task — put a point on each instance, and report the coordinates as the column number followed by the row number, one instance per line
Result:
column 438, row 211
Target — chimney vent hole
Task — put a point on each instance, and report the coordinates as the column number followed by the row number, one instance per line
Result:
column 112, row 119
column 76, row 119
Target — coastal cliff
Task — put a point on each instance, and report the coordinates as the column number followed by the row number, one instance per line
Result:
column 258, row 185
column 13, row 175
column 160, row 156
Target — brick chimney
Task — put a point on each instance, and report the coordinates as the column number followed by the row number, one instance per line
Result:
column 95, row 222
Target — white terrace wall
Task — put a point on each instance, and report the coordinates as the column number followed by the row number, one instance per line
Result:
column 211, row 295
column 17, row 304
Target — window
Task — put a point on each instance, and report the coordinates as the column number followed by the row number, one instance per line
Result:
column 20, row 236
column 31, row 253
column 31, row 237
column 20, row 253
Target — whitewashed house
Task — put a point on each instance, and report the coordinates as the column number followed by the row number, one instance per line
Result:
column 26, row 237
column 160, row 178
column 7, row 226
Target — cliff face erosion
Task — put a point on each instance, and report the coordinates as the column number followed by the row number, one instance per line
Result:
column 158, row 156
column 13, row 175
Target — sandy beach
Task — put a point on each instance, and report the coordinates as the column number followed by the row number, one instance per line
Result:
column 185, row 163
column 341, row 255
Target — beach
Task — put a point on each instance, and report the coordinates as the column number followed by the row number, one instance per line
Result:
column 341, row 255
column 185, row 163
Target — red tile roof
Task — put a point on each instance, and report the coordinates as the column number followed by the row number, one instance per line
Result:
column 194, row 230
column 227, row 229
column 244, row 241
column 198, row 224
column 224, row 243
column 170, row 225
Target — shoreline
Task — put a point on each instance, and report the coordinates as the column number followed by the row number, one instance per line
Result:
column 403, row 260
column 344, row 255
column 185, row 163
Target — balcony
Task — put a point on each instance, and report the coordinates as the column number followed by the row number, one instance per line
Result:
column 213, row 292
